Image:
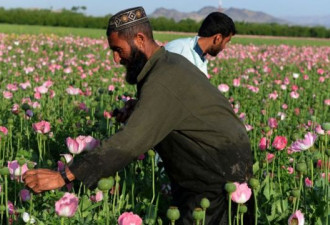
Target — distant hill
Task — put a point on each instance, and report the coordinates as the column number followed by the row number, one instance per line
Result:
column 244, row 15
column 236, row 14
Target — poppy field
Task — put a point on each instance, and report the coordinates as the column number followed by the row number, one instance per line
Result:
column 57, row 94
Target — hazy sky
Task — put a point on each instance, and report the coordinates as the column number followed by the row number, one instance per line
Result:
column 277, row 8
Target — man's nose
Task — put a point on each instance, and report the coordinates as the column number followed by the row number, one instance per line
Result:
column 116, row 57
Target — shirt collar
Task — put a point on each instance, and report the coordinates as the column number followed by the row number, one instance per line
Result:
column 199, row 51
column 150, row 63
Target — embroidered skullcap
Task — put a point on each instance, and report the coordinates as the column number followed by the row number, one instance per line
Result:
column 127, row 18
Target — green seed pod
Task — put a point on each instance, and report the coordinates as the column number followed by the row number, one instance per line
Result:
column 21, row 161
column 254, row 183
column 101, row 91
column 295, row 193
column 205, row 203
column 230, row 187
column 173, row 213
column 2, row 208
column 198, row 214
column 105, row 184
column 151, row 153
column 301, row 167
column 30, row 165
column 49, row 163
column 243, row 209
column 10, row 121
column 4, row 171
column 326, row 126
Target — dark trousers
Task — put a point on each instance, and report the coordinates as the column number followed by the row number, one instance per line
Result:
column 216, row 214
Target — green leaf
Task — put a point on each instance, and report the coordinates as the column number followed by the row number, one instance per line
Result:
column 256, row 168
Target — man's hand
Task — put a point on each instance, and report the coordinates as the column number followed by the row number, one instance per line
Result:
column 124, row 113
column 40, row 180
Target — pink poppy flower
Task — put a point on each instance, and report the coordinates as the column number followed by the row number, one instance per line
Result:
column 15, row 109
column 296, row 218
column 4, row 130
column 237, row 82
column 304, row 144
column 73, row 91
column 97, row 197
column 90, row 143
column 263, row 144
column 25, row 195
column 41, row 127
column 327, row 101
column 67, row 205
column 41, row 89
column 74, row 146
column 272, row 123
column 294, row 94
column 111, row 88
column 320, row 71
column 242, row 193
column 12, row 87
column 107, row 115
column 270, row 157
column 25, row 85
column 7, row 94
column 128, row 218
column 290, row 170
column 223, row 88
column 11, row 208
column 16, row 171
column 319, row 130
column 279, row 142
column 308, row 182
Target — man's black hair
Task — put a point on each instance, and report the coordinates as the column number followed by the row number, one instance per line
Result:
column 131, row 32
column 216, row 23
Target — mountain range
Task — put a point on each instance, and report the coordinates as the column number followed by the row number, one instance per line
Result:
column 243, row 15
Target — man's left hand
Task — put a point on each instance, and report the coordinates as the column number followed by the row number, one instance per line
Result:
column 40, row 180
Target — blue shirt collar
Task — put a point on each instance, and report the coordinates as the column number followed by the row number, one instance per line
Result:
column 199, row 51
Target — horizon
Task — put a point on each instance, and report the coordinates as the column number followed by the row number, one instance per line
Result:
column 280, row 9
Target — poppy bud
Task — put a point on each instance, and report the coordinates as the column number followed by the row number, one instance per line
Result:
column 295, row 193
column 301, row 167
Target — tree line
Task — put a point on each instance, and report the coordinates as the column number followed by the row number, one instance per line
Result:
column 74, row 18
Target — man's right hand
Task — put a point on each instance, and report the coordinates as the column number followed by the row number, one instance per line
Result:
column 124, row 113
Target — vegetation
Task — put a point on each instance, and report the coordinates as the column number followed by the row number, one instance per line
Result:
column 75, row 18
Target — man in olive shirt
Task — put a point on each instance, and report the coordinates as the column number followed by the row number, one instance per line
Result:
column 186, row 119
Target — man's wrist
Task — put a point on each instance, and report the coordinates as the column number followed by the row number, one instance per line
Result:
column 66, row 175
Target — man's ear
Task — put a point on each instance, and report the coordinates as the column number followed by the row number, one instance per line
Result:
column 140, row 40
column 217, row 38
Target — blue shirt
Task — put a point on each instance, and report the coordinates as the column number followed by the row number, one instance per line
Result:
column 189, row 48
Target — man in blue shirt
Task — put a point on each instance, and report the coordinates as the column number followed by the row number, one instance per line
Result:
column 213, row 35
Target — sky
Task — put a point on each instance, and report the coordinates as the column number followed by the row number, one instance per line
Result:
column 277, row 8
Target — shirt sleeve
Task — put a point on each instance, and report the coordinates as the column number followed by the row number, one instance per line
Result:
column 156, row 114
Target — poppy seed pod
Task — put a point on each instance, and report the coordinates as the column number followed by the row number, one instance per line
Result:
column 254, row 183
column 230, row 187
column 173, row 213
column 105, row 184
column 301, row 167
column 243, row 209
column 198, row 214
column 205, row 203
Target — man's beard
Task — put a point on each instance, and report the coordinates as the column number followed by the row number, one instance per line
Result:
column 134, row 64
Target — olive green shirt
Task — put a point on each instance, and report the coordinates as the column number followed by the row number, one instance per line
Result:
column 186, row 119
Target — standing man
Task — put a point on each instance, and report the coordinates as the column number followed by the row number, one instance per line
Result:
column 178, row 112
column 213, row 35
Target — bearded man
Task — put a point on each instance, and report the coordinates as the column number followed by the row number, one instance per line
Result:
column 178, row 113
